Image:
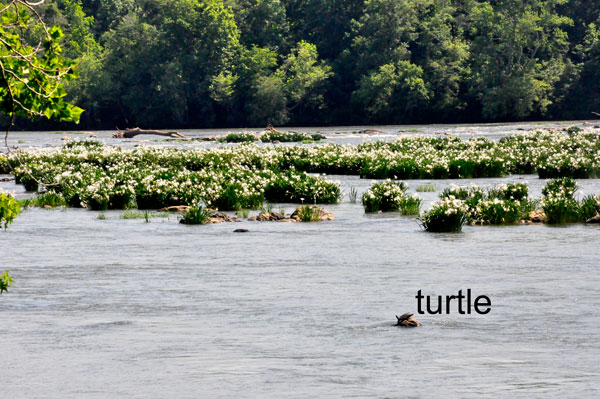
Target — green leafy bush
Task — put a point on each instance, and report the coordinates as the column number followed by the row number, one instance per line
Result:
column 9, row 209
column 195, row 215
column 384, row 196
column 6, row 281
column 559, row 203
column 447, row 215
column 309, row 213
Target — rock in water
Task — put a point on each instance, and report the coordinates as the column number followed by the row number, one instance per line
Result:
column 594, row 220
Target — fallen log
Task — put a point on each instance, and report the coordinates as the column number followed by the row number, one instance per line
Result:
column 130, row 133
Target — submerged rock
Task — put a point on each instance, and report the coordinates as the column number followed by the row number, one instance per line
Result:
column 593, row 220
column 324, row 215
column 537, row 216
column 221, row 217
column 241, row 231
column 175, row 208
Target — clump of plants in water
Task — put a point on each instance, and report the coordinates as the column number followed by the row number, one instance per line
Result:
column 87, row 144
column 147, row 215
column 503, row 204
column 390, row 196
column 425, row 188
column 6, row 281
column 9, row 209
column 49, row 199
column 196, row 215
column 353, row 195
column 559, row 203
column 384, row 196
column 308, row 213
column 590, row 207
column 238, row 138
column 447, row 215
column 269, row 137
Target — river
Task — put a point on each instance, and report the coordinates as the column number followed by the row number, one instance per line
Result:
column 122, row 308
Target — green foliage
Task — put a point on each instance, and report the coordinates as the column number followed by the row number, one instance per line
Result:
column 559, row 203
column 308, row 213
column 384, row 196
column 143, row 215
column 353, row 195
column 283, row 137
column 9, row 209
column 426, row 188
column 447, row 215
column 208, row 63
column 238, row 138
column 6, row 282
column 519, row 54
column 196, row 215
column 393, row 93
column 32, row 75
column 49, row 199
column 590, row 207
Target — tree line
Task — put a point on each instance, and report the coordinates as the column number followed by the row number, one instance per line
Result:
column 237, row 63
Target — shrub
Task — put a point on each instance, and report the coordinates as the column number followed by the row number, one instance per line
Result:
column 5, row 281
column 447, row 215
column 195, row 215
column 384, row 196
column 9, row 209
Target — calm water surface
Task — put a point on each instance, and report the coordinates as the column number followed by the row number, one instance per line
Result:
column 122, row 308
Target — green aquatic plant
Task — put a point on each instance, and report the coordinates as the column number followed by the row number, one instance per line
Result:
column 238, row 138
column 269, row 137
column 497, row 211
column 559, row 203
column 49, row 199
column 410, row 205
column 426, row 188
column 590, row 207
column 353, row 195
column 384, row 196
column 143, row 215
column 196, row 215
column 9, row 209
column 447, row 215
column 309, row 213
column 6, row 281
column 242, row 213
column 86, row 144
column 101, row 216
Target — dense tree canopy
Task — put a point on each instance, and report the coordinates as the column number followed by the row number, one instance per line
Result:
column 209, row 63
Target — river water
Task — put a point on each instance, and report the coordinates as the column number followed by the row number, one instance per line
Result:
column 122, row 308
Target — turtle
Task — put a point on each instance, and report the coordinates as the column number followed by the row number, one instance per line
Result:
column 406, row 320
